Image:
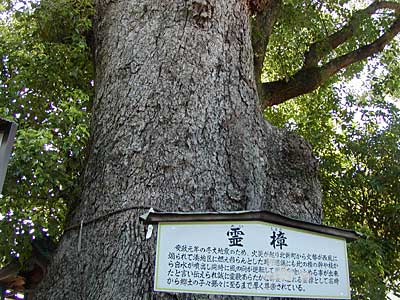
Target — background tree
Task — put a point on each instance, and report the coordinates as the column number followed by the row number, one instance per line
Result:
column 308, row 44
column 46, row 87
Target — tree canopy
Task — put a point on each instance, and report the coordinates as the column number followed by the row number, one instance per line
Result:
column 312, row 53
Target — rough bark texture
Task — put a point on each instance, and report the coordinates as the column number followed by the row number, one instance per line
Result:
column 176, row 126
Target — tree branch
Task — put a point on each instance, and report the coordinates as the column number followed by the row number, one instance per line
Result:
column 265, row 14
column 366, row 51
column 311, row 75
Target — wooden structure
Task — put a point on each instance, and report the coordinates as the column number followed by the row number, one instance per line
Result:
column 7, row 135
column 20, row 279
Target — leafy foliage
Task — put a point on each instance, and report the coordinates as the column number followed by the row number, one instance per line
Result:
column 46, row 88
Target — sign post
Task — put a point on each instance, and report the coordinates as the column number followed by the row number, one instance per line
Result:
column 7, row 135
column 238, row 255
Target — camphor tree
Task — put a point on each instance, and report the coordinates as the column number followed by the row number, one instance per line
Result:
column 177, row 120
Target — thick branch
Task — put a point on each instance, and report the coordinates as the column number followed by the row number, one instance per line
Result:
column 303, row 82
column 320, row 49
column 311, row 76
column 265, row 15
column 377, row 46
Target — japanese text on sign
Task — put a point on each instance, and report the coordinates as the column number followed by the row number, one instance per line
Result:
column 251, row 258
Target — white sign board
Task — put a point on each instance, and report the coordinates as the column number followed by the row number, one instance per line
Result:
column 250, row 258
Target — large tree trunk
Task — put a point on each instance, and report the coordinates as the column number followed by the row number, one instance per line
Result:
column 177, row 127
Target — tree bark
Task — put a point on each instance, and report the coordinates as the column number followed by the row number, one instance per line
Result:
column 177, row 127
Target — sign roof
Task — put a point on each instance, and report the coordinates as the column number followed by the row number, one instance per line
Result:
column 265, row 216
